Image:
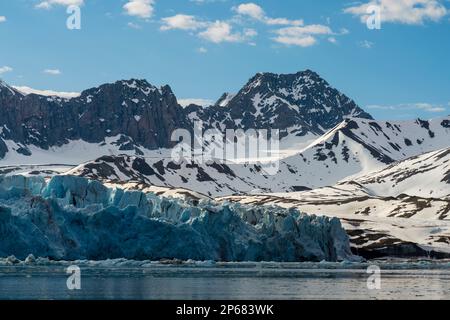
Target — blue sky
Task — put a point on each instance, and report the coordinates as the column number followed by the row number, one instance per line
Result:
column 202, row 48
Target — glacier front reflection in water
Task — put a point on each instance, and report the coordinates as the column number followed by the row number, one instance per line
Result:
column 233, row 281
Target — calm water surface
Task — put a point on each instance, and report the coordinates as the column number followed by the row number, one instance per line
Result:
column 253, row 281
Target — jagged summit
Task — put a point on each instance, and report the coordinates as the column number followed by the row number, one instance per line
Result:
column 132, row 113
column 131, row 86
column 287, row 76
column 299, row 104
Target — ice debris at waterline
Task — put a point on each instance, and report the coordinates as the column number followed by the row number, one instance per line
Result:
column 69, row 218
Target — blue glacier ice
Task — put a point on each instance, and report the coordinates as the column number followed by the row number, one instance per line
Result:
column 71, row 218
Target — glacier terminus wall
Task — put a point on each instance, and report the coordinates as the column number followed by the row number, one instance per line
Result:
column 70, row 218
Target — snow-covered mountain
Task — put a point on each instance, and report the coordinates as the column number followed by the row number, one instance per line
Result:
column 212, row 179
column 377, row 226
column 427, row 175
column 388, row 181
column 402, row 209
column 296, row 104
column 356, row 146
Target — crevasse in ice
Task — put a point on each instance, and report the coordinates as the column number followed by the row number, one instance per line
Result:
column 69, row 218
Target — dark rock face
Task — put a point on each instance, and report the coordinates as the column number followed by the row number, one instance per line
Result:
column 445, row 123
column 144, row 116
column 3, row 149
column 400, row 250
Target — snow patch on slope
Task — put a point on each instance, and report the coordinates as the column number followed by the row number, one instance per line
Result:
column 48, row 93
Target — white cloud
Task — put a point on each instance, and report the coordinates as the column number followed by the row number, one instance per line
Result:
column 301, row 36
column 199, row 102
column 290, row 32
column 221, row 31
column 332, row 40
column 139, row 8
column 402, row 11
column 303, row 41
column 5, row 69
column 283, row 21
column 366, row 44
column 202, row 50
column 252, row 10
column 256, row 12
column 52, row 72
column 49, row 3
column 182, row 22
column 216, row 32
column 2, row 19
column 428, row 107
column 250, row 33
column 50, row 93
column 133, row 25
column 43, row 5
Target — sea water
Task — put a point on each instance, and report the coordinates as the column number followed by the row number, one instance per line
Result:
column 121, row 279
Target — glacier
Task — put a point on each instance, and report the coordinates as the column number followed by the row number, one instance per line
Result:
column 72, row 218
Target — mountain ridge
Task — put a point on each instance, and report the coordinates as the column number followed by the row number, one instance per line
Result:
column 134, row 115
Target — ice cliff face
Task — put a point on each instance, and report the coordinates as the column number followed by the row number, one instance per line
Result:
column 72, row 218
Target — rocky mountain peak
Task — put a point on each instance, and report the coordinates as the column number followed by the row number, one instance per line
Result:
column 123, row 88
column 303, row 100
column 133, row 112
column 167, row 91
column 273, row 82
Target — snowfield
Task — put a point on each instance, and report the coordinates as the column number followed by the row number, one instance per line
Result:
column 401, row 210
column 353, row 148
